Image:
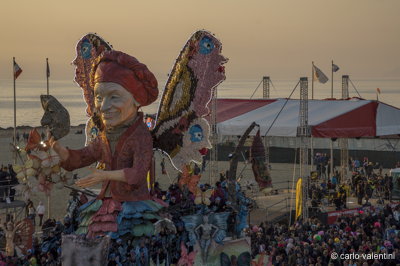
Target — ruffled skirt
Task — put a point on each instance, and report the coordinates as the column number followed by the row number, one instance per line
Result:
column 107, row 216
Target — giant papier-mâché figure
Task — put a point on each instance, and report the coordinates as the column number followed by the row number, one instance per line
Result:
column 115, row 86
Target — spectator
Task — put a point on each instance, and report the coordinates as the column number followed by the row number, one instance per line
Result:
column 3, row 184
column 40, row 210
column 28, row 204
column 334, row 181
column 30, row 211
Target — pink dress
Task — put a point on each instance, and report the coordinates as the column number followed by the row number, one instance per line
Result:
column 133, row 154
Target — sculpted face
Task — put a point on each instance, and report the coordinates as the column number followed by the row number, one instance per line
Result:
column 194, row 141
column 207, row 65
column 114, row 103
column 55, row 116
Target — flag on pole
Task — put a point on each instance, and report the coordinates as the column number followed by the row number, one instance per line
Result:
column 47, row 69
column 335, row 68
column 378, row 90
column 17, row 70
column 319, row 75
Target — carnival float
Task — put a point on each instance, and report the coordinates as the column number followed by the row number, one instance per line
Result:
column 194, row 224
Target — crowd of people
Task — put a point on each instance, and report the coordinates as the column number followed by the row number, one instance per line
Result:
column 311, row 242
column 8, row 180
column 366, row 181
column 25, row 135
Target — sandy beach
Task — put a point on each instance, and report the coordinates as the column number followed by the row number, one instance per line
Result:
column 281, row 174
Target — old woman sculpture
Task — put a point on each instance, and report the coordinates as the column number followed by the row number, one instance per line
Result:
column 123, row 148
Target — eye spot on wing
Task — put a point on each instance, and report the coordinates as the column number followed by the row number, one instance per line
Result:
column 85, row 49
column 196, row 133
column 206, row 45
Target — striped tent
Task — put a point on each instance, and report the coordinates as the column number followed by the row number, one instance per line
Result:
column 351, row 118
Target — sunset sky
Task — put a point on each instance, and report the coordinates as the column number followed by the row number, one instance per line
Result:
column 278, row 38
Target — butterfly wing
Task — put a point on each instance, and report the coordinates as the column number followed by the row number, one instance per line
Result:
column 87, row 49
column 181, row 131
column 191, row 222
column 23, row 235
column 219, row 220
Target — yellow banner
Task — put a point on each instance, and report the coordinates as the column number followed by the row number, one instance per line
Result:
column 299, row 198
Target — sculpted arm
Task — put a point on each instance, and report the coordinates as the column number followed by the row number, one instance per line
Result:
column 142, row 149
column 98, row 176
column 74, row 159
column 196, row 231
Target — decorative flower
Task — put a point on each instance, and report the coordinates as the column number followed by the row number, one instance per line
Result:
column 41, row 168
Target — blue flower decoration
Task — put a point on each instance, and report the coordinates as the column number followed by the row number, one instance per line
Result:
column 196, row 133
column 85, row 49
column 206, row 45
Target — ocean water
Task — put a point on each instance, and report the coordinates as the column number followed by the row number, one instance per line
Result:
column 29, row 109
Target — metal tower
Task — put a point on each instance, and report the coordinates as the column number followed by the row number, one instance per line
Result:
column 266, row 83
column 343, row 142
column 345, row 86
column 303, row 131
column 213, row 170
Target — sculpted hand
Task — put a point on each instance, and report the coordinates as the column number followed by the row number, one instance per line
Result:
column 93, row 178
column 59, row 149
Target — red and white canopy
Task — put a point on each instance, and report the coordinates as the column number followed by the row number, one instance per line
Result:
column 328, row 118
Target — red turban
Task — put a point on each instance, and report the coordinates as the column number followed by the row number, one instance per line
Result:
column 127, row 71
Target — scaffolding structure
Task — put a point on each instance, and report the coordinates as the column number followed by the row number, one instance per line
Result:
column 213, row 165
column 266, row 86
column 303, row 131
column 344, row 142
column 345, row 86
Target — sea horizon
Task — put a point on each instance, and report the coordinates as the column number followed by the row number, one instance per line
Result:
column 29, row 109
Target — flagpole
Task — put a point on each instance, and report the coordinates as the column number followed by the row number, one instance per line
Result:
column 312, row 81
column 332, row 169
column 332, row 80
column 47, row 74
column 15, row 113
